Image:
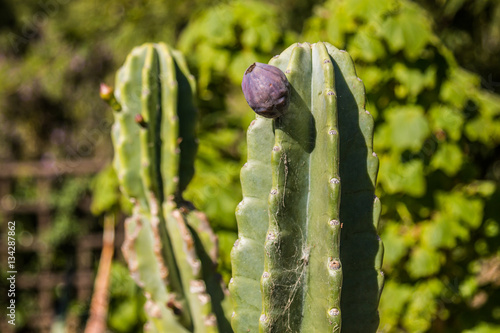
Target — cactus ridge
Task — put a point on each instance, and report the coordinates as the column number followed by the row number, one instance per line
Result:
column 359, row 207
column 148, row 273
column 247, row 255
column 167, row 243
column 313, row 169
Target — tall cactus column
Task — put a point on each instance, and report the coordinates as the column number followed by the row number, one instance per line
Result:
column 170, row 248
column 315, row 167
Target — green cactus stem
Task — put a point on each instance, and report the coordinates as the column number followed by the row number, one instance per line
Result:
column 308, row 190
column 169, row 246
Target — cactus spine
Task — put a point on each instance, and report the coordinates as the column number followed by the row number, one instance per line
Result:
column 310, row 174
column 170, row 248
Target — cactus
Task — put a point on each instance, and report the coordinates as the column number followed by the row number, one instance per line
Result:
column 308, row 258
column 169, row 246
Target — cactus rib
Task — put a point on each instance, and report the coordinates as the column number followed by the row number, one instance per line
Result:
column 247, row 255
column 361, row 249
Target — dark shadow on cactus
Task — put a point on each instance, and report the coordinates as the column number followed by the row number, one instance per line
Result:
column 294, row 123
column 213, row 282
column 187, row 124
column 158, row 141
column 359, row 239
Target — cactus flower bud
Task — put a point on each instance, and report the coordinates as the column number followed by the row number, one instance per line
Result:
column 266, row 90
column 139, row 119
column 107, row 94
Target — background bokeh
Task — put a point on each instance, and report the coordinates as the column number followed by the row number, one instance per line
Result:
column 432, row 78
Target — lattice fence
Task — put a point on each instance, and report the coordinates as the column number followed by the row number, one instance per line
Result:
column 43, row 287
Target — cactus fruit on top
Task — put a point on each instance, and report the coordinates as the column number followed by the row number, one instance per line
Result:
column 169, row 246
column 308, row 257
column 266, row 90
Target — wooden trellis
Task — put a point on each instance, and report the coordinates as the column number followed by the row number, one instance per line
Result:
column 41, row 285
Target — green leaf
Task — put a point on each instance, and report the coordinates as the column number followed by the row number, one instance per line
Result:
column 440, row 233
column 366, row 46
column 423, row 262
column 413, row 80
column 105, row 191
column 367, row 9
column 448, row 119
column 468, row 287
column 392, row 303
column 124, row 315
column 462, row 208
column 484, row 188
column 395, row 244
column 484, row 130
column 448, row 158
column 459, row 86
column 422, row 307
column 407, row 30
column 373, row 77
column 408, row 127
column 484, row 328
column 408, row 177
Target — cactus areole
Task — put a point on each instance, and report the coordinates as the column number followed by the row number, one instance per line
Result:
column 266, row 90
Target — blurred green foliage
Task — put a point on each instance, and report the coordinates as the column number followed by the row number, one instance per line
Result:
column 471, row 28
column 437, row 122
column 126, row 309
column 63, row 201
column 106, row 195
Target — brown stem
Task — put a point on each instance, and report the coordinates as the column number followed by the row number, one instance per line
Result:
column 100, row 299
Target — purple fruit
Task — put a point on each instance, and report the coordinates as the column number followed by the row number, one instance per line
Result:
column 266, row 90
